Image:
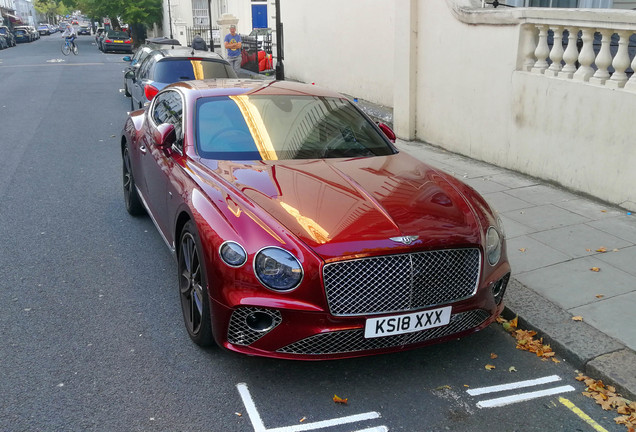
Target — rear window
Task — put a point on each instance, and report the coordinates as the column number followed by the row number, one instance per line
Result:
column 169, row 71
column 118, row 35
column 20, row 31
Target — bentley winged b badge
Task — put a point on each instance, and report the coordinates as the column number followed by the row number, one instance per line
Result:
column 407, row 240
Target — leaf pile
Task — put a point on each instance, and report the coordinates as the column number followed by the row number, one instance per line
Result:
column 608, row 399
column 526, row 341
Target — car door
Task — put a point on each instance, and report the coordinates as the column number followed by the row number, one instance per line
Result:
column 157, row 163
column 141, row 77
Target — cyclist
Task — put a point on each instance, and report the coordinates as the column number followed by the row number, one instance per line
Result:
column 70, row 34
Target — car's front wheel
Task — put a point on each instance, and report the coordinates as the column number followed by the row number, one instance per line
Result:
column 193, row 290
column 131, row 197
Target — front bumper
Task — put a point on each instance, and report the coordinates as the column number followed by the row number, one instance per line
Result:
column 304, row 335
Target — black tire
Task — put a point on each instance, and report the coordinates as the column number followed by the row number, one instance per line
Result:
column 193, row 291
column 131, row 198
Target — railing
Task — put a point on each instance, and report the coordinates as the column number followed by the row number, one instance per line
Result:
column 603, row 54
column 214, row 42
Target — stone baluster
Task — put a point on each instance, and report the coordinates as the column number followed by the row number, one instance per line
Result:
column 571, row 54
column 604, row 58
column 529, row 43
column 556, row 54
column 542, row 51
column 631, row 84
column 586, row 56
column 621, row 61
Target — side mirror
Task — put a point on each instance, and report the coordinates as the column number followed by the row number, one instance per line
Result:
column 130, row 75
column 165, row 135
column 387, row 131
column 127, row 58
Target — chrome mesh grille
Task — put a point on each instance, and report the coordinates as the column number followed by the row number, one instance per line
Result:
column 239, row 333
column 401, row 283
column 353, row 340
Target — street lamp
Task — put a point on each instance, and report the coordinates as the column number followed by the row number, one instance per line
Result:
column 280, row 55
column 170, row 18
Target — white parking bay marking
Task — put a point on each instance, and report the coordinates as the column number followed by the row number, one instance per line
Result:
column 492, row 403
column 512, row 386
column 259, row 426
column 521, row 397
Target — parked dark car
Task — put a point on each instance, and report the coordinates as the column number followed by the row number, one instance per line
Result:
column 22, row 35
column 116, row 40
column 300, row 231
column 84, row 30
column 134, row 63
column 166, row 66
column 44, row 29
column 8, row 35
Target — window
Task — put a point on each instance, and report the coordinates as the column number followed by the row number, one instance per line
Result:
column 168, row 108
column 169, row 71
column 252, row 127
column 200, row 15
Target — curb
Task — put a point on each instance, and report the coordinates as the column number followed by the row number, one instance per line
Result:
column 586, row 348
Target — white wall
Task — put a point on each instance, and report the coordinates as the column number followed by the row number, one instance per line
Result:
column 344, row 45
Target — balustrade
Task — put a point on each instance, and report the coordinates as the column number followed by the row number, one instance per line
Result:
column 601, row 56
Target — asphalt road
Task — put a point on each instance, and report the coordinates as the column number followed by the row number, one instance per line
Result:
column 91, row 333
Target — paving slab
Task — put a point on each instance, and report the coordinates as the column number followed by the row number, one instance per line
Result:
column 527, row 254
column 581, row 240
column 545, row 217
column 573, row 284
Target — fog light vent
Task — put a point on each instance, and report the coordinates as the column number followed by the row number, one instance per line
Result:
column 499, row 288
column 248, row 325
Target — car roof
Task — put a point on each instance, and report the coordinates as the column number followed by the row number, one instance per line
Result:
column 232, row 87
column 178, row 52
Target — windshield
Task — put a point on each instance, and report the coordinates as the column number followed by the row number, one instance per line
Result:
column 284, row 127
column 169, row 71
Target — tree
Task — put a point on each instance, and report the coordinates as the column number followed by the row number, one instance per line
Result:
column 136, row 13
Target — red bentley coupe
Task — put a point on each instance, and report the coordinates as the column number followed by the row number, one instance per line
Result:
column 300, row 231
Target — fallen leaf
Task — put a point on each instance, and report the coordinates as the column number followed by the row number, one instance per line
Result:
column 577, row 318
column 490, row 367
column 340, row 400
column 493, row 356
column 512, row 369
column 600, row 296
column 522, row 249
column 588, row 250
column 444, row 387
column 602, row 249
column 595, row 269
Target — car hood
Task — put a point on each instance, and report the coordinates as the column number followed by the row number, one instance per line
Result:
column 364, row 206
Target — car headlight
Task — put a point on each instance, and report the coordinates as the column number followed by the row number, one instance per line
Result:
column 233, row 254
column 278, row 269
column 493, row 246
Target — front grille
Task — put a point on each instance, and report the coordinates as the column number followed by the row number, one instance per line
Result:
column 239, row 333
column 401, row 283
column 353, row 340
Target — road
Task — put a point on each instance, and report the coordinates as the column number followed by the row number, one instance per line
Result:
column 90, row 323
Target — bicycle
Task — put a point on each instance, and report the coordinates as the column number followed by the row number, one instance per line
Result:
column 67, row 48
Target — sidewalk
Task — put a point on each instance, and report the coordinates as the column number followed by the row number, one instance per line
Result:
column 554, row 239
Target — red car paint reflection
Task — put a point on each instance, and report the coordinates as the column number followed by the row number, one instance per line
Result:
column 298, row 228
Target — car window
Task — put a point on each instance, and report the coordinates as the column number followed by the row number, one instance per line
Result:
column 168, row 108
column 117, row 34
column 254, row 127
column 146, row 65
column 173, row 70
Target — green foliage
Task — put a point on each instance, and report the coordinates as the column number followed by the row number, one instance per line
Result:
column 130, row 11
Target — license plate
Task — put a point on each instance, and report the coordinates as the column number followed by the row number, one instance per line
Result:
column 407, row 323
column 118, row 41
